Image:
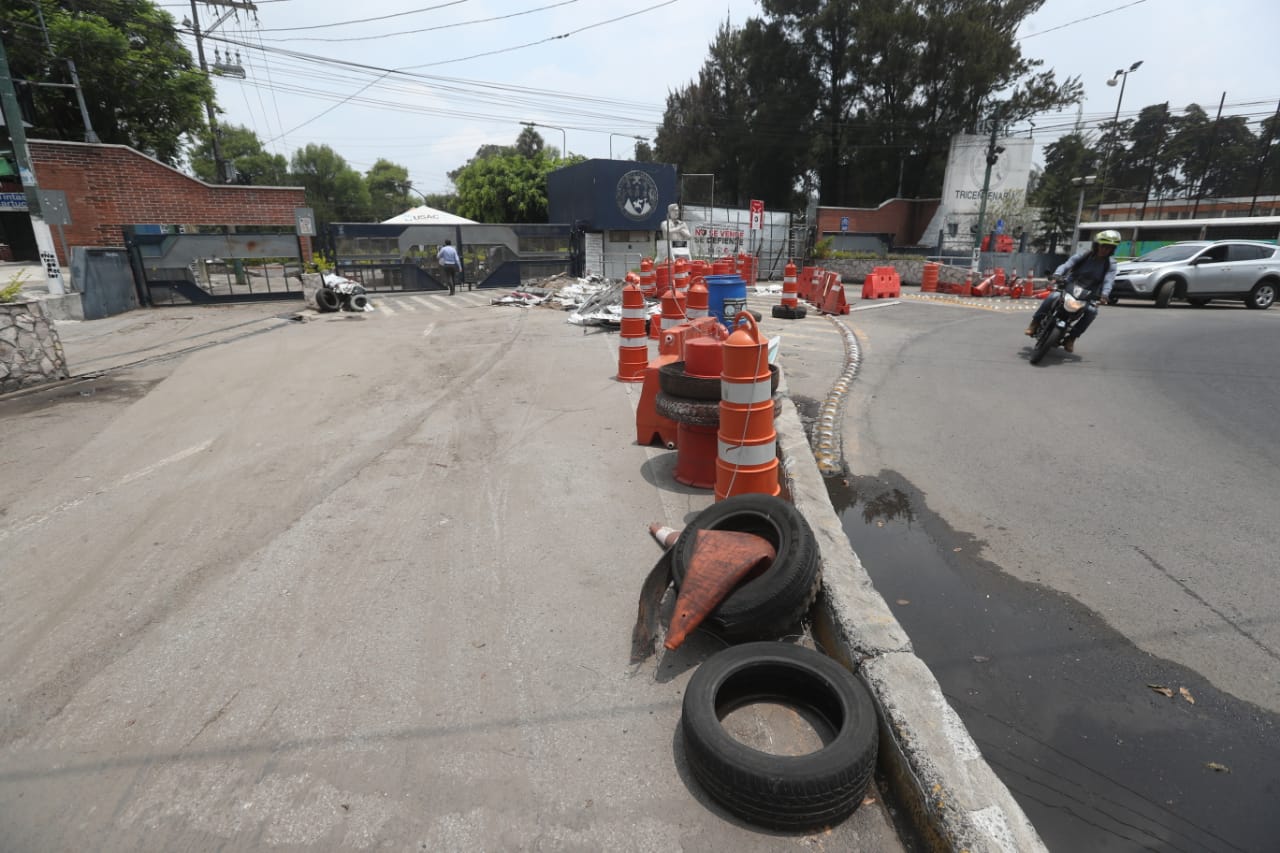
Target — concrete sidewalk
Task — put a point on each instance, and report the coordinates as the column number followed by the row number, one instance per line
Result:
column 953, row 798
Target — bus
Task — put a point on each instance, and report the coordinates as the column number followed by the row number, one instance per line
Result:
column 1141, row 236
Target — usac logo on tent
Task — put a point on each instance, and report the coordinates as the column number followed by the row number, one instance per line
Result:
column 637, row 195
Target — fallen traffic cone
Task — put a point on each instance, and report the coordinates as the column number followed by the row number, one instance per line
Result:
column 666, row 536
column 721, row 560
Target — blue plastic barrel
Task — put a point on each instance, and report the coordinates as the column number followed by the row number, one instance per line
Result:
column 726, row 296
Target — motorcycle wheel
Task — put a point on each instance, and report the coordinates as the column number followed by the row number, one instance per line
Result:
column 1046, row 342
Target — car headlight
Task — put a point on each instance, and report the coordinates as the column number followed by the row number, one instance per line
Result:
column 1138, row 272
column 1072, row 304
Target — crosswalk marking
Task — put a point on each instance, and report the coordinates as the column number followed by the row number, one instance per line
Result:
column 427, row 303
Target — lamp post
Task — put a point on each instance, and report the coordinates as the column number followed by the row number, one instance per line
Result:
column 612, row 135
column 564, row 150
column 407, row 187
column 1122, row 76
column 1086, row 181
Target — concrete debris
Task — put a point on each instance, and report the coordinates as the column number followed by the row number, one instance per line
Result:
column 769, row 289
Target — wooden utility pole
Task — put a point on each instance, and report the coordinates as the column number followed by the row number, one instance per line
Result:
column 219, row 164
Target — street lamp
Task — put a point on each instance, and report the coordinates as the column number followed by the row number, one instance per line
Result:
column 1086, row 181
column 1121, row 75
column 612, row 135
column 564, row 151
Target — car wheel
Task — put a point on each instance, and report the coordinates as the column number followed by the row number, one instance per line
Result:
column 1198, row 302
column 778, row 597
column 1164, row 294
column 1263, row 296
column 786, row 792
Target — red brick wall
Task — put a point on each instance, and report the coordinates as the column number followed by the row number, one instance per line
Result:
column 109, row 186
column 905, row 219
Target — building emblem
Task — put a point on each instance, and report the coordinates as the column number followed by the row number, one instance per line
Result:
column 637, row 195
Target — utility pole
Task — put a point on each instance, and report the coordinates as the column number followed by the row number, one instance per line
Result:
column 219, row 164
column 993, row 155
column 27, row 174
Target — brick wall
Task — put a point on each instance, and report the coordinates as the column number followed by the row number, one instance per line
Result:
column 109, row 186
column 904, row 219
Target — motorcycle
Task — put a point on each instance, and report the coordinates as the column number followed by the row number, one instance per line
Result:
column 1071, row 301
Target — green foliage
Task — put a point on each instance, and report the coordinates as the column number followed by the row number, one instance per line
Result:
column 242, row 148
column 335, row 191
column 500, row 184
column 11, row 291
column 320, row 262
column 822, row 250
column 141, row 86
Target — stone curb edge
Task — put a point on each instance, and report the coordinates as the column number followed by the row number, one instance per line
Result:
column 953, row 798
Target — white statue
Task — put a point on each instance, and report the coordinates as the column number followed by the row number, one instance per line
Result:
column 675, row 236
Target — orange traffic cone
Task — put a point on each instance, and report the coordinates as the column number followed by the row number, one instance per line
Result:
column 648, row 278
column 699, row 299
column 633, row 348
column 929, row 283
column 748, row 454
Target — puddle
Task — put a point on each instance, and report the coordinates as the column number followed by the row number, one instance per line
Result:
column 1059, row 703
column 100, row 389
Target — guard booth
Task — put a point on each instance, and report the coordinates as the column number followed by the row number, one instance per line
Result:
column 201, row 264
column 394, row 256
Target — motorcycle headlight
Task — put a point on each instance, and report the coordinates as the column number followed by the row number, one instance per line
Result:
column 1072, row 304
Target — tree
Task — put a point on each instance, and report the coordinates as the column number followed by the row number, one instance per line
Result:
column 899, row 78
column 745, row 119
column 335, row 191
column 141, row 86
column 388, row 185
column 502, row 184
column 241, row 146
column 1058, row 199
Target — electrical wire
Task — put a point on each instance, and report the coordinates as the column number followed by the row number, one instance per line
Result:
column 382, row 36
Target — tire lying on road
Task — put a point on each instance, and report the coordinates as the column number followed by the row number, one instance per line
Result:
column 357, row 302
column 786, row 312
column 774, row 600
column 328, row 300
column 788, row 792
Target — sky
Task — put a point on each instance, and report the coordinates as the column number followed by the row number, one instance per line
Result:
column 444, row 77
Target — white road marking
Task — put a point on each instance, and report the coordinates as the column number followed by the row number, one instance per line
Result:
column 41, row 518
column 426, row 303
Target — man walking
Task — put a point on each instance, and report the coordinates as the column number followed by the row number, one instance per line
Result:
column 450, row 263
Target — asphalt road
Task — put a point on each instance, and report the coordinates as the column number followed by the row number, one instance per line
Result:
column 364, row 581
column 1060, row 541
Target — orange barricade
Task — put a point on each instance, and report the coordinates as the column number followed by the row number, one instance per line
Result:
column 747, row 461
column 983, row 288
column 789, row 288
column 699, row 299
column 633, row 349
column 696, row 453
column 804, row 283
column 929, row 282
column 648, row 278
column 681, row 277
column 833, row 298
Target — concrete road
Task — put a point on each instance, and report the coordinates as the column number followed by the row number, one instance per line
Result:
column 1138, row 476
column 363, row 581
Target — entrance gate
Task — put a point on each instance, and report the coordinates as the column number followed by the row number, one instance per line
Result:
column 403, row 256
column 183, row 265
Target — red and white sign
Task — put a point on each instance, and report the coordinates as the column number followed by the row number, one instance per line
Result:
column 757, row 214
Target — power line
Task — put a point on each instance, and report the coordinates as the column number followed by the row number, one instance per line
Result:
column 366, row 20
column 427, row 29
column 1082, row 20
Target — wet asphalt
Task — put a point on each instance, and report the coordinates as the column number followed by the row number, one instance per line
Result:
column 1072, row 716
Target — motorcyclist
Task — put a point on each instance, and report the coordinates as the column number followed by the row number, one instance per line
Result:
column 1094, row 268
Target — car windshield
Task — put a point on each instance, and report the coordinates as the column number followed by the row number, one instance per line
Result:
column 1176, row 252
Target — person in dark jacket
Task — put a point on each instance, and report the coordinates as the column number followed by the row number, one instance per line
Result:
column 1095, row 268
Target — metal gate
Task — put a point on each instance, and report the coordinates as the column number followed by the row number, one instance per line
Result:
column 183, row 265
column 403, row 257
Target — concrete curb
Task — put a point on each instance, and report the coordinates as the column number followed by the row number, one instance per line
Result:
column 953, row 798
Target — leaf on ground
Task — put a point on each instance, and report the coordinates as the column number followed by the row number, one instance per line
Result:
column 1162, row 690
column 1217, row 768
column 1186, row 694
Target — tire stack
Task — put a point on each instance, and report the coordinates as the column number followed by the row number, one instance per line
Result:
column 791, row 793
column 341, row 296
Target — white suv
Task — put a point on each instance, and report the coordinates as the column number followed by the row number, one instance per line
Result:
column 1202, row 271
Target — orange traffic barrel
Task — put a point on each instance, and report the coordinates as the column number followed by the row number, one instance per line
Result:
column 698, row 304
column 929, row 282
column 789, row 289
column 747, row 458
column 648, row 278
column 633, row 347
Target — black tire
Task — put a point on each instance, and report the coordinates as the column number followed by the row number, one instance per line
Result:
column 684, row 410
column 787, row 792
column 786, row 312
column 1046, row 342
column 357, row 302
column 776, row 599
column 327, row 300
column 706, row 413
column 1262, row 297
column 673, row 380
column 1164, row 294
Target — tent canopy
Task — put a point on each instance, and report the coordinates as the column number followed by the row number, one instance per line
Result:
column 425, row 215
